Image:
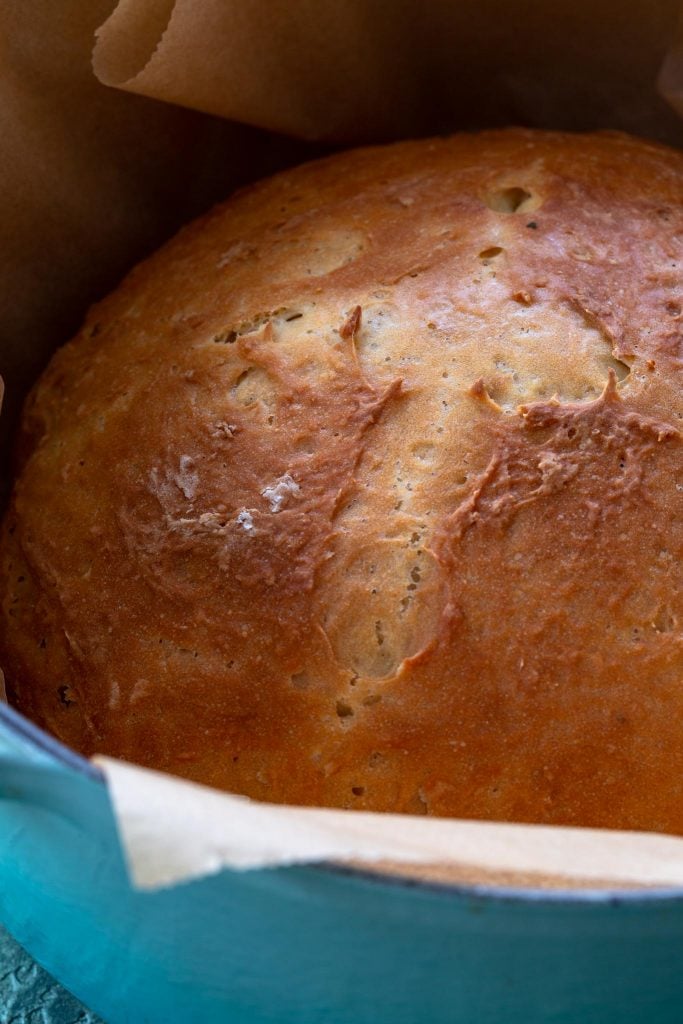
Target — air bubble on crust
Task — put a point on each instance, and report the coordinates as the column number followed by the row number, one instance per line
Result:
column 65, row 694
column 377, row 336
column 512, row 199
column 664, row 621
column 254, row 385
column 490, row 254
column 225, row 338
column 372, row 699
column 279, row 318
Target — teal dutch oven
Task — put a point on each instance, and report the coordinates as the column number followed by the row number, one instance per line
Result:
column 311, row 945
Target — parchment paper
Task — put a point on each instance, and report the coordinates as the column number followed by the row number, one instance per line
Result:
column 91, row 180
column 373, row 69
column 93, row 177
column 173, row 830
column 670, row 80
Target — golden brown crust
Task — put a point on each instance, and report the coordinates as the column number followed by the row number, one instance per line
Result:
column 365, row 491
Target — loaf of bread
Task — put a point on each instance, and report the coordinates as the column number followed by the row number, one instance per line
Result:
column 366, row 491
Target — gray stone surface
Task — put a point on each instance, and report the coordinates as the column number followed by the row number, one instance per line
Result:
column 29, row 995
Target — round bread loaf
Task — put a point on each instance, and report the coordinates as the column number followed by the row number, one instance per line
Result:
column 365, row 491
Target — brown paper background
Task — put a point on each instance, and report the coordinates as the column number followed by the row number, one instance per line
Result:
column 91, row 180
column 375, row 69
